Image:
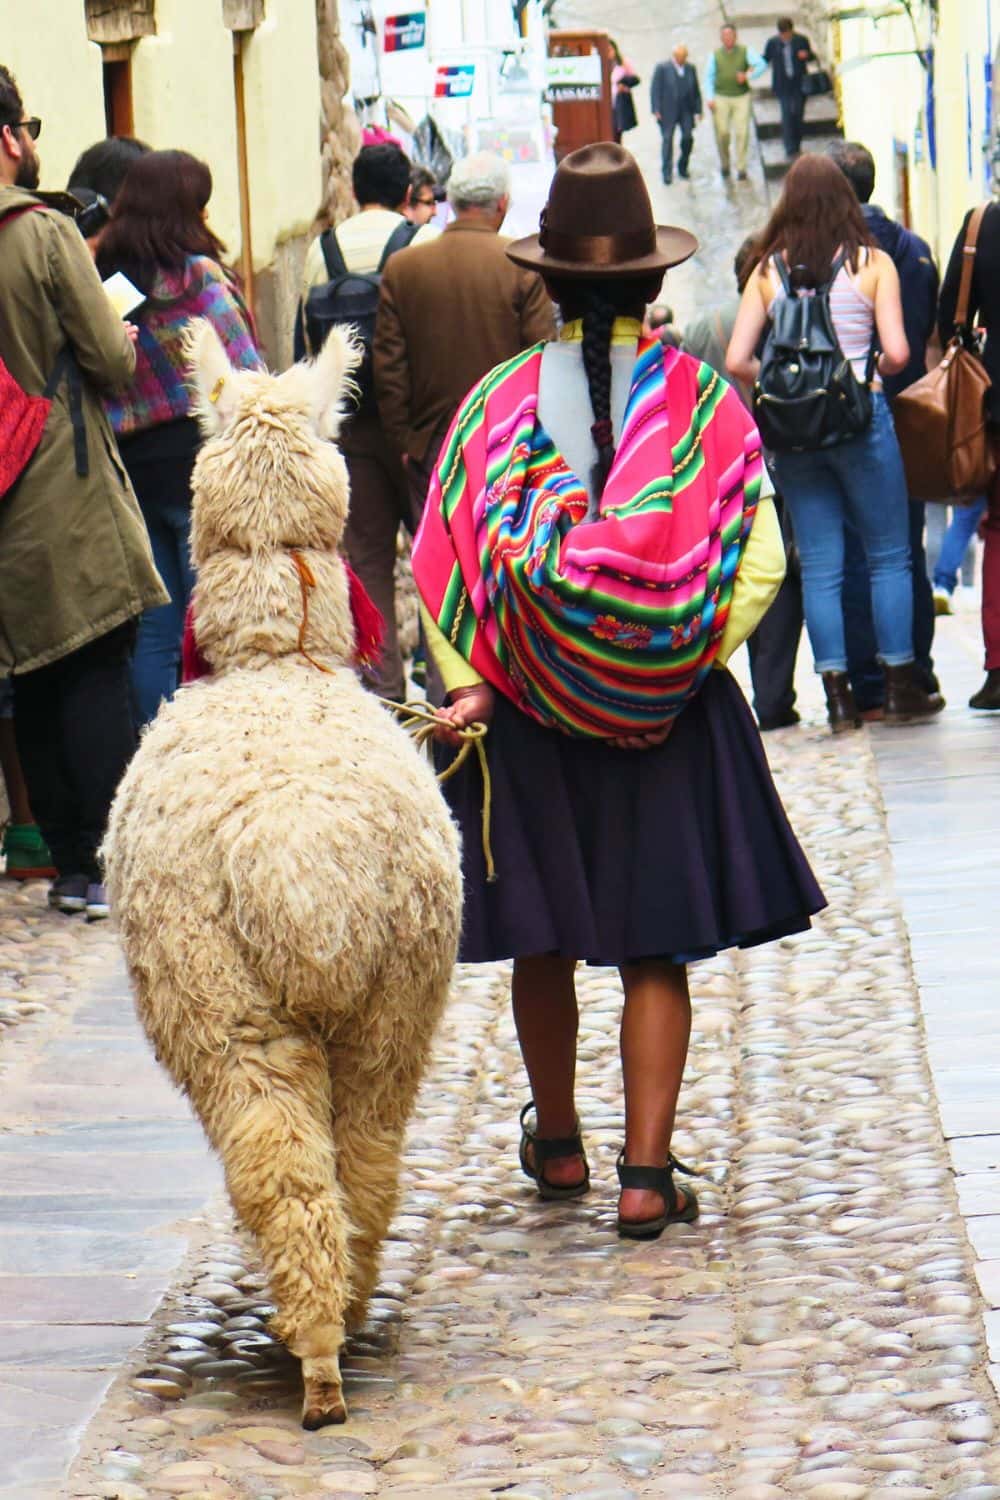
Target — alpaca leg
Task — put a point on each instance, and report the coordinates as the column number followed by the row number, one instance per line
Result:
column 266, row 1107
column 371, row 1113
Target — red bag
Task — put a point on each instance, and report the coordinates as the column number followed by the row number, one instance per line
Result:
column 22, row 417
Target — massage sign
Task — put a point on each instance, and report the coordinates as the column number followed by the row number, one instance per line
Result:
column 569, row 79
column 404, row 32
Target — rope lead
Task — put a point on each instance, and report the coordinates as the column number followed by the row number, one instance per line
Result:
column 415, row 718
column 421, row 722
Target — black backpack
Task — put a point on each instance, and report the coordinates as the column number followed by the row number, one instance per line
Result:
column 351, row 297
column 807, row 395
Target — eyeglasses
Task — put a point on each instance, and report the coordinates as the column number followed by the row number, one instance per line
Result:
column 32, row 126
column 424, row 203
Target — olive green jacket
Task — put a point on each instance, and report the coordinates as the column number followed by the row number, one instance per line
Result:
column 74, row 552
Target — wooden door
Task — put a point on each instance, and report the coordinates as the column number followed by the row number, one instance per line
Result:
column 580, row 90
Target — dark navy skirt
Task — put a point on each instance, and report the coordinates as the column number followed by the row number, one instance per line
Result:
column 616, row 855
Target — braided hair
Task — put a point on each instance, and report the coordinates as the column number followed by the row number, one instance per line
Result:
column 598, row 320
column 599, row 302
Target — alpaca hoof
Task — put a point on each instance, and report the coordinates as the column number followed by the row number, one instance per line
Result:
column 324, row 1405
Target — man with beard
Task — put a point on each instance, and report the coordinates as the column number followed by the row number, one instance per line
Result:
column 75, row 563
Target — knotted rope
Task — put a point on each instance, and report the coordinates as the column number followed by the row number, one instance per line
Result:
column 416, row 719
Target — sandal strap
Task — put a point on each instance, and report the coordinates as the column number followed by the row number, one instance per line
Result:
column 652, row 1179
column 549, row 1147
column 649, row 1179
column 678, row 1166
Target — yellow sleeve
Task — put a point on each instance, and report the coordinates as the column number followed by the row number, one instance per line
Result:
column 761, row 571
column 455, row 670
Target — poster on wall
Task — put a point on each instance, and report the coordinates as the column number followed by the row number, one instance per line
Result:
column 455, row 82
column 405, row 32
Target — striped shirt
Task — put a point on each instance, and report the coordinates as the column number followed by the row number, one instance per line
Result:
column 852, row 312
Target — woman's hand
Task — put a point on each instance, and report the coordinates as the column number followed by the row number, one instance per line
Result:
column 643, row 741
column 469, row 705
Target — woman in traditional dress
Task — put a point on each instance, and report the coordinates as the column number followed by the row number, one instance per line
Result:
column 594, row 548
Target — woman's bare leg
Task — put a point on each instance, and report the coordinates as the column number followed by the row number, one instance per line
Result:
column 656, row 1028
column 546, row 1017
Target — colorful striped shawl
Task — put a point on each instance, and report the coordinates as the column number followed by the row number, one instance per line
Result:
column 598, row 627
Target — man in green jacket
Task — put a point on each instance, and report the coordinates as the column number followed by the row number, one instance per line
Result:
column 75, row 564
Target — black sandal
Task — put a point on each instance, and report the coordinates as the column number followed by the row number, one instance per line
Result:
column 656, row 1180
column 547, row 1148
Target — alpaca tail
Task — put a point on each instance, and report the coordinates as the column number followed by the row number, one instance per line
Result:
column 297, row 880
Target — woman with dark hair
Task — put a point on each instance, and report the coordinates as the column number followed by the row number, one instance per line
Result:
column 817, row 234
column 624, row 79
column 594, row 543
column 159, row 238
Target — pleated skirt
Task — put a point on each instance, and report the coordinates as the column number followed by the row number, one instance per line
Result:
column 611, row 856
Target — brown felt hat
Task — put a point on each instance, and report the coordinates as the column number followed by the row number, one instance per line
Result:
column 599, row 221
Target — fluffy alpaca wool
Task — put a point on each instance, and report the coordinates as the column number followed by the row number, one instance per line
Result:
column 283, row 870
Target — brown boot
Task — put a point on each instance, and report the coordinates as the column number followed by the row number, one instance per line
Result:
column 905, row 699
column 841, row 709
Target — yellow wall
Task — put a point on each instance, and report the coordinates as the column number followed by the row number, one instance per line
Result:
column 886, row 97
column 182, row 89
column 183, row 96
column 281, row 87
column 58, row 71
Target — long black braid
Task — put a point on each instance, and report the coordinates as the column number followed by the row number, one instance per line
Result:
column 599, row 313
column 599, row 302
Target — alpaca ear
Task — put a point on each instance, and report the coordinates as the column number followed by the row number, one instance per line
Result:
column 212, row 379
column 330, row 381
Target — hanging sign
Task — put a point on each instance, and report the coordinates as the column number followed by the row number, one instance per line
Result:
column 454, row 82
column 572, row 78
column 404, row 32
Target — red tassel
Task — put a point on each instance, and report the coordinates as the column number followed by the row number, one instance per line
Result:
column 193, row 664
column 369, row 626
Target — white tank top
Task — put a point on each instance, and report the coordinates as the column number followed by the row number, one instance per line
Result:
column 852, row 312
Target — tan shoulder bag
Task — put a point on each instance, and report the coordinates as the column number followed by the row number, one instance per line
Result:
column 941, row 418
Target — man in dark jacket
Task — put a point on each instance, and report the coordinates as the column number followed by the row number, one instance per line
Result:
column 675, row 98
column 788, row 53
column 984, row 312
column 918, row 280
column 75, row 564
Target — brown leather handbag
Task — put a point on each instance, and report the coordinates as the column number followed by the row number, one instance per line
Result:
column 941, row 418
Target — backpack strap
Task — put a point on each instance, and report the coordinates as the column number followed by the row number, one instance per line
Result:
column 17, row 213
column 66, row 368
column 968, row 264
column 336, row 265
column 778, row 262
column 398, row 240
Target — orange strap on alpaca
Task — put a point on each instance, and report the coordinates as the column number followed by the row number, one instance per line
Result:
column 307, row 582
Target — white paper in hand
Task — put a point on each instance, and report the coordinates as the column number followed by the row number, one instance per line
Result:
column 125, row 296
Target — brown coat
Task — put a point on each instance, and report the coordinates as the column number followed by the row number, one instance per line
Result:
column 74, row 553
column 448, row 312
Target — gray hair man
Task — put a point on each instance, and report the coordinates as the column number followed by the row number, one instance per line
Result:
column 448, row 312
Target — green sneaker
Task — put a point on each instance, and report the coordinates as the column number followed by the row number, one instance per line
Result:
column 26, row 853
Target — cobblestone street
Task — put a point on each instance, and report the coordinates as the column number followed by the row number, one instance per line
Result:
column 818, row 1332
column 829, row 1328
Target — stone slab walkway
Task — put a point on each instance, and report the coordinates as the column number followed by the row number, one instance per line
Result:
column 101, row 1170
column 940, row 785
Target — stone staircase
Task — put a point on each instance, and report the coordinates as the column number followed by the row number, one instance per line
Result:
column 822, row 124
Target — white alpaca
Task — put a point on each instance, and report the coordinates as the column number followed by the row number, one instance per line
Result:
column 282, row 866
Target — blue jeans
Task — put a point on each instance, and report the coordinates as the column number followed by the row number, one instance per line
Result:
column 862, row 481
column 867, row 678
column 164, row 493
column 964, row 524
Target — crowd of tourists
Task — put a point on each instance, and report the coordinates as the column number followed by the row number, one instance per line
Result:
column 603, row 510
